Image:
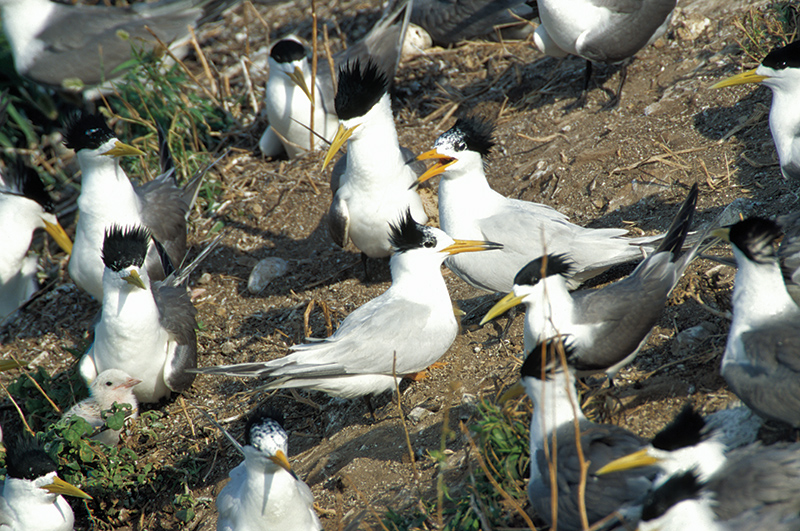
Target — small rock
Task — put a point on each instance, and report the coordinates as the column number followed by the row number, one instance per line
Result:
column 264, row 272
column 691, row 338
column 417, row 414
column 692, row 27
column 228, row 347
column 205, row 278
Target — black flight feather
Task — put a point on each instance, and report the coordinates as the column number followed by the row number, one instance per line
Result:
column 785, row 57
column 543, row 267
column 86, row 131
column 684, row 431
column 676, row 234
column 754, row 237
column 26, row 458
column 287, row 51
column 124, row 247
column 676, row 489
column 359, row 88
column 472, row 133
column 407, row 234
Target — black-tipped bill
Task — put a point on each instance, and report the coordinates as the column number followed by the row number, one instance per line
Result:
column 470, row 246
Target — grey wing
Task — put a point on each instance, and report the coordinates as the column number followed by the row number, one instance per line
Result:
column 338, row 173
column 410, row 159
column 164, row 213
column 789, row 253
column 339, row 221
column 451, row 21
column 177, row 315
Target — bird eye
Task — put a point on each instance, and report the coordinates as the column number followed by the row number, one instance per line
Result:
column 109, row 384
column 429, row 244
column 461, row 145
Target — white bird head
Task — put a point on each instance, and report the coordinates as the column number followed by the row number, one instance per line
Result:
column 114, row 385
column 124, row 252
column 288, row 57
column 780, row 70
column 264, row 433
column 94, row 142
column 460, row 149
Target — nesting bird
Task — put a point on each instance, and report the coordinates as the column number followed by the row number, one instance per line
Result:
column 25, row 206
column 780, row 71
column 111, row 386
column 605, row 327
column 470, row 209
column 402, row 331
column 264, row 493
column 289, row 99
column 373, row 189
column 146, row 328
column 31, row 494
column 108, row 197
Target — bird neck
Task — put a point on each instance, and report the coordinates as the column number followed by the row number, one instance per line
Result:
column 373, row 151
column 467, row 195
column 784, row 117
column 418, row 276
column 754, row 280
column 548, row 311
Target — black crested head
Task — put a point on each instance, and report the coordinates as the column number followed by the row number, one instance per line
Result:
column 785, row 57
column 407, row 234
column 678, row 488
column 25, row 181
column 86, row 131
column 684, row 431
column 287, row 51
column 472, row 133
column 545, row 355
column 124, row 247
column 359, row 89
column 754, row 237
column 270, row 418
column 543, row 267
column 26, row 459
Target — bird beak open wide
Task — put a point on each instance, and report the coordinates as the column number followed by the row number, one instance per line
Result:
column 127, row 384
column 442, row 164
column 300, row 81
column 749, row 76
column 469, row 246
column 342, row 134
column 59, row 486
column 282, row 461
column 120, row 150
column 135, row 280
column 502, row 306
column 723, row 233
column 59, row 235
column 637, row 459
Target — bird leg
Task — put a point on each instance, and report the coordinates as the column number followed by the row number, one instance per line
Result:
column 421, row 375
column 581, row 101
column 615, row 98
column 364, row 259
column 368, row 401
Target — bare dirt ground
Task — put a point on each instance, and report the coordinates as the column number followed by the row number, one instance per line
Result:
column 629, row 167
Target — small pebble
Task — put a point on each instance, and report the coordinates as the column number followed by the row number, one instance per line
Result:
column 265, row 272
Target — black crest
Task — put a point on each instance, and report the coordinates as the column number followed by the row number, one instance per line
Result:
column 754, row 237
column 545, row 355
column 471, row 133
column 86, row 131
column 360, row 87
column 26, row 459
column 407, row 234
column 785, row 57
column 23, row 180
column 543, row 267
column 676, row 489
column 287, row 51
column 684, row 431
column 263, row 418
column 124, row 247
column 679, row 228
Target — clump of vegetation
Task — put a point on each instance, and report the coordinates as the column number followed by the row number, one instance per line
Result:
column 766, row 27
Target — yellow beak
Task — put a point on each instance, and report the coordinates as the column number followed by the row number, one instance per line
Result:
column 637, row 459
column 749, row 76
column 512, row 392
column 300, row 81
column 342, row 135
column 282, row 461
column 59, row 235
column 59, row 486
column 442, row 163
column 135, row 280
column 121, row 150
column 469, row 246
column 502, row 306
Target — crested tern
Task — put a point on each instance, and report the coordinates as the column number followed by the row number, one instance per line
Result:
column 411, row 322
column 108, row 197
column 111, row 386
column 601, row 31
column 470, row 208
column 25, row 205
column 789, row 253
column 32, row 492
column 373, row 189
column 451, row 21
column 264, row 493
column 288, row 97
column 146, row 328
column 780, row 71
column 73, row 47
column 556, row 417
column 606, row 327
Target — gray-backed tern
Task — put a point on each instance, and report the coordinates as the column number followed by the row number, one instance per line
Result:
column 25, row 206
column 146, row 328
column 111, row 386
column 451, row 21
column 108, row 197
column 373, row 189
column 264, row 493
column 31, row 494
column 288, row 97
column 762, row 356
column 604, row 327
column 470, row 209
column 780, row 71
column 412, row 322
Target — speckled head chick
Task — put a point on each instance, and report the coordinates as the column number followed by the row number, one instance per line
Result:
column 543, row 267
column 786, row 57
column 360, row 87
column 125, row 247
column 86, row 131
column 470, row 133
column 755, row 237
column 287, row 51
column 407, row 234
